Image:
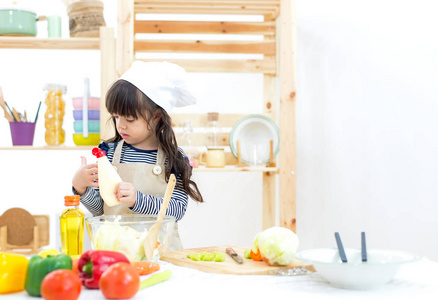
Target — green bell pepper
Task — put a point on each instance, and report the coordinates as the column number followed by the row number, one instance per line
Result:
column 39, row 267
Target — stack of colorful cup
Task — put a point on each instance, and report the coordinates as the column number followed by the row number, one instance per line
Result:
column 87, row 118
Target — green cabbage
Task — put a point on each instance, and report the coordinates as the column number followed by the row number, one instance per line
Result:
column 277, row 245
column 125, row 239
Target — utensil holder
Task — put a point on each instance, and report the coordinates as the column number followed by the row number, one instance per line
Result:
column 22, row 133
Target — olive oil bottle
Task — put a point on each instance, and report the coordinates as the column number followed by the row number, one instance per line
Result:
column 72, row 227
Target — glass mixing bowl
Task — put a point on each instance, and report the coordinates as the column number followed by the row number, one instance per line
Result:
column 127, row 233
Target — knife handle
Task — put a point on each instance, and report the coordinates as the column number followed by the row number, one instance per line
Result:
column 230, row 251
column 234, row 255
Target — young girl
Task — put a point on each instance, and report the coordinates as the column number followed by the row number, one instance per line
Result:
column 144, row 149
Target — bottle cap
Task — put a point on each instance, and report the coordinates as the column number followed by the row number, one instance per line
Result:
column 97, row 152
column 72, row 200
column 212, row 116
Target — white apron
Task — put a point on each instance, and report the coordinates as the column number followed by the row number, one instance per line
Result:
column 145, row 179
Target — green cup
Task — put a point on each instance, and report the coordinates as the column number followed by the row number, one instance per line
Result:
column 54, row 26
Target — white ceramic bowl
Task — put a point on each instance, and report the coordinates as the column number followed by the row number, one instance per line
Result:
column 381, row 267
column 126, row 234
column 254, row 132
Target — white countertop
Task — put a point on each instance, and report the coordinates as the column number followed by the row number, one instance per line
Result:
column 413, row 281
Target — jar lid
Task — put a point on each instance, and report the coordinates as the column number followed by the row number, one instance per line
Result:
column 13, row 5
column 212, row 116
column 84, row 5
column 55, row 87
column 16, row 8
column 72, row 200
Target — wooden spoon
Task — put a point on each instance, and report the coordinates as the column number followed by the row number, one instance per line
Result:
column 151, row 239
column 3, row 105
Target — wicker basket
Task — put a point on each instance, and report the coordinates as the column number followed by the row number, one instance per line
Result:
column 86, row 17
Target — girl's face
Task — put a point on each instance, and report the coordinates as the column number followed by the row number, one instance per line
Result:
column 137, row 132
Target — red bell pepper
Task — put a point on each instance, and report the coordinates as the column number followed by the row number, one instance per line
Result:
column 93, row 263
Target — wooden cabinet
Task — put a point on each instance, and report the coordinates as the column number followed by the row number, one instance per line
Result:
column 273, row 21
column 105, row 44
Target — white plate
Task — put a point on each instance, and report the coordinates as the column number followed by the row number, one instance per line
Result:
column 381, row 267
column 254, row 130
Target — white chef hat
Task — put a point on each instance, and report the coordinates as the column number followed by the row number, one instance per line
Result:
column 164, row 83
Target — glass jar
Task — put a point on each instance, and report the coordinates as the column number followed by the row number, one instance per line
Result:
column 54, row 116
column 186, row 138
column 213, row 129
column 187, row 144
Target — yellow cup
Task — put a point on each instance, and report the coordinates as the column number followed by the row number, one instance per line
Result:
column 213, row 158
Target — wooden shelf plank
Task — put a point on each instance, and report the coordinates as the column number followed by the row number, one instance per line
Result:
column 202, row 27
column 48, row 148
column 201, row 138
column 200, row 120
column 229, row 6
column 248, row 47
column 49, row 43
column 266, row 66
column 269, row 11
column 236, row 169
column 171, row 3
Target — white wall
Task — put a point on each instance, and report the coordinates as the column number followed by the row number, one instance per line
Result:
column 366, row 131
column 367, row 124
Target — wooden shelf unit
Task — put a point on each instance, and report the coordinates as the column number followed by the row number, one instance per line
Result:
column 277, row 49
column 105, row 44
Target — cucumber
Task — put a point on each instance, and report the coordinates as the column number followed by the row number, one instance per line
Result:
column 206, row 256
column 156, row 278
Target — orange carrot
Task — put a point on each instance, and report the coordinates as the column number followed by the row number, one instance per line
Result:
column 256, row 256
column 75, row 265
column 145, row 267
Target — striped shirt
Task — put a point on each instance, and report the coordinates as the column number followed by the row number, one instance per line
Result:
column 145, row 204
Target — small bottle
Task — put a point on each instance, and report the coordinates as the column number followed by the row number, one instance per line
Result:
column 107, row 176
column 213, row 129
column 187, row 134
column 187, row 144
column 72, row 227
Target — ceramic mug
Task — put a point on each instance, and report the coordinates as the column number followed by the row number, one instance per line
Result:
column 213, row 158
column 54, row 26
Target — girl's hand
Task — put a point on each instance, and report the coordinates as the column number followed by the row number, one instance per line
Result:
column 85, row 176
column 126, row 193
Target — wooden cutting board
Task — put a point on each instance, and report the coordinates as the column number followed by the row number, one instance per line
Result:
column 229, row 266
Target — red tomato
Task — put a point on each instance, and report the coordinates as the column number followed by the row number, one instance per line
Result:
column 119, row 281
column 61, row 284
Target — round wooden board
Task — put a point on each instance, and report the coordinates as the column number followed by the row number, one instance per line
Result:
column 20, row 225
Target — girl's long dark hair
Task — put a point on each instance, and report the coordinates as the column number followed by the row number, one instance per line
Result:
column 124, row 99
